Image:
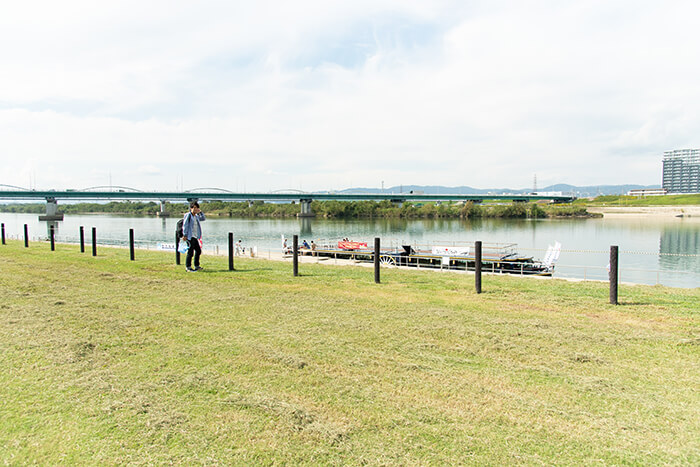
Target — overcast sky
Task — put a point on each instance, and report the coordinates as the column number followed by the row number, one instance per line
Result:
column 319, row 95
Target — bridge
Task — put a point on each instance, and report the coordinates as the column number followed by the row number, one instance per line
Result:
column 214, row 194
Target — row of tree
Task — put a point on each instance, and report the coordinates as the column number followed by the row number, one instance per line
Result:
column 327, row 209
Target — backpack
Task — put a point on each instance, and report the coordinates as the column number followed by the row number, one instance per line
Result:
column 178, row 228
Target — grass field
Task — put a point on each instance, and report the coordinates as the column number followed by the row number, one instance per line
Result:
column 107, row 361
column 622, row 200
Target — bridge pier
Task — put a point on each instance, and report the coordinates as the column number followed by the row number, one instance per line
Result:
column 306, row 208
column 52, row 213
column 162, row 213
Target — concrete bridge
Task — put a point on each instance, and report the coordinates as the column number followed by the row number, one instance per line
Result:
column 213, row 194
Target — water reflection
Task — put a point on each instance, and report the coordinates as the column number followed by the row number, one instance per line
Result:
column 305, row 226
column 675, row 244
column 50, row 224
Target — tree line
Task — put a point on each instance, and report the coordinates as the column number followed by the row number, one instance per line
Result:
column 325, row 209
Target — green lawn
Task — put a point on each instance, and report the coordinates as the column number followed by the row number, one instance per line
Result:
column 107, row 361
column 622, row 200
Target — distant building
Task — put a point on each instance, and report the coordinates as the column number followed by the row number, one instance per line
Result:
column 647, row 192
column 547, row 193
column 682, row 171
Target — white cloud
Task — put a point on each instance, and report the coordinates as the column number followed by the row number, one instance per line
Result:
column 149, row 170
column 327, row 94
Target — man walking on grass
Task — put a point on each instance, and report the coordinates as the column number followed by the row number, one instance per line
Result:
column 192, row 234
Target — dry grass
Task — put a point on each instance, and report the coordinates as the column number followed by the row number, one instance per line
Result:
column 107, row 361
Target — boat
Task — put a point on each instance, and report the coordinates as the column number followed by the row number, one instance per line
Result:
column 495, row 258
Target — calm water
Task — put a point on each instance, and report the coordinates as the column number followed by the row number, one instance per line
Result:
column 652, row 250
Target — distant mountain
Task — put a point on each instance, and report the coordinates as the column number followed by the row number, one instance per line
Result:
column 579, row 191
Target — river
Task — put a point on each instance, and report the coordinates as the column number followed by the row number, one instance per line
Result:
column 664, row 250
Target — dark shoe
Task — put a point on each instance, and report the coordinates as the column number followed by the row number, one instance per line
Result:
column 189, row 270
column 198, row 268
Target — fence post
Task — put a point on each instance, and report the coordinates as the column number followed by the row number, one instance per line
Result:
column 53, row 241
column 94, row 241
column 613, row 274
column 230, row 251
column 82, row 239
column 131, row 244
column 295, row 259
column 3, row 234
column 477, row 266
column 376, row 260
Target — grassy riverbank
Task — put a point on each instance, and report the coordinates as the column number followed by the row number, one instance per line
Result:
column 634, row 201
column 323, row 209
column 108, row 361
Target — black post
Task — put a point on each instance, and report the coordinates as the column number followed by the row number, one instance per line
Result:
column 477, row 266
column 94, row 241
column 82, row 239
column 230, row 251
column 53, row 241
column 26, row 236
column 3, row 234
column 131, row 244
column 177, row 251
column 613, row 274
column 376, row 260
column 295, row 259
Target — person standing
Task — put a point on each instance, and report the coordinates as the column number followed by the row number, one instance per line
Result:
column 192, row 233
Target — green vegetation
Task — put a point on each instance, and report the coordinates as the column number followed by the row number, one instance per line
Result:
column 114, row 207
column 622, row 200
column 368, row 209
column 327, row 209
column 107, row 361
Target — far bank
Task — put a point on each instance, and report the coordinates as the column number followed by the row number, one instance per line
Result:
column 692, row 211
column 324, row 209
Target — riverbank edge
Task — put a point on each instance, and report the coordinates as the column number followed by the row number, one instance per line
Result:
column 685, row 211
column 325, row 210
column 279, row 256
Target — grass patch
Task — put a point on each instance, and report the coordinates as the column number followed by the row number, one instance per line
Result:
column 640, row 201
column 103, row 360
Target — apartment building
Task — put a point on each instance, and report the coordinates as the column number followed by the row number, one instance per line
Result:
column 682, row 171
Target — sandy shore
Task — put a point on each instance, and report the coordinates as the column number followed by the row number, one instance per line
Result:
column 647, row 211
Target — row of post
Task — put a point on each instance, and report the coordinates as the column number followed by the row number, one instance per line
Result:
column 613, row 272
column 614, row 252
column 52, row 238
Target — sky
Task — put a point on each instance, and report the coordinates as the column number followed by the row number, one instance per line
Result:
column 327, row 95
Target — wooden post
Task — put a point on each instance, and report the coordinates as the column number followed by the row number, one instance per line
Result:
column 230, row 251
column 82, row 239
column 613, row 274
column 477, row 266
column 295, row 250
column 94, row 241
column 131, row 244
column 26, row 236
column 376, row 260
column 3, row 234
column 52, row 234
